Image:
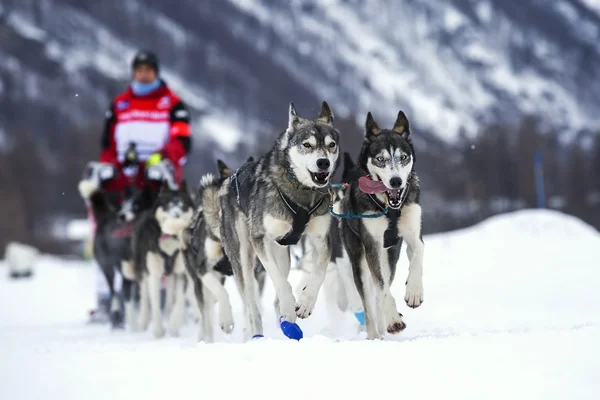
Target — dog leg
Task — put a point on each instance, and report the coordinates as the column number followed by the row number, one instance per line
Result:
column 242, row 261
column 386, row 301
column 345, row 273
column 129, row 307
column 156, row 269
column 178, row 311
column 213, row 284
column 276, row 260
column 128, row 282
column 191, row 297
column 369, row 300
column 318, row 234
column 207, row 317
column 410, row 229
column 169, row 294
column 144, row 304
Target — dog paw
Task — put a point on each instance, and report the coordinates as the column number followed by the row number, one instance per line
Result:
column 414, row 292
column 158, row 331
column 226, row 325
column 396, row 325
column 144, row 323
column 305, row 305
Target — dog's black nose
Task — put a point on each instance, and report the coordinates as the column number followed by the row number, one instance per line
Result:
column 323, row 163
column 395, row 183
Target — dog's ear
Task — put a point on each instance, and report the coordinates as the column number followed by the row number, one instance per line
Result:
column 294, row 119
column 183, row 186
column 224, row 170
column 325, row 115
column 401, row 124
column 371, row 126
column 250, row 159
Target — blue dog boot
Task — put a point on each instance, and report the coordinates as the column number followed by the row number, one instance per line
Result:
column 290, row 329
column 256, row 337
column 360, row 316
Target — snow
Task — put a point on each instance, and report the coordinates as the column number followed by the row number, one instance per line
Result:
column 78, row 229
column 25, row 27
column 593, row 5
column 221, row 129
column 511, row 312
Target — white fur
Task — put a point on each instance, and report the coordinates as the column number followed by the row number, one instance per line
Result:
column 156, row 270
column 385, row 312
column 173, row 223
column 392, row 169
column 177, row 314
column 410, row 229
column 144, row 304
column 317, row 230
column 303, row 165
column 212, row 283
column 169, row 245
column 130, row 316
column 169, row 293
column 128, row 270
column 276, row 228
column 114, row 304
column 249, row 290
column 213, row 251
column 206, row 179
column 87, row 187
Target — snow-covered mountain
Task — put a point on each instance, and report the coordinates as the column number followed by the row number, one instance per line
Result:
column 450, row 65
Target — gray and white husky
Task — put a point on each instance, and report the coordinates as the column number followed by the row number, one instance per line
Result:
column 156, row 249
column 267, row 205
column 206, row 262
column 388, row 182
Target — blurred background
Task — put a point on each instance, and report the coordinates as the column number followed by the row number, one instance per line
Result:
column 502, row 95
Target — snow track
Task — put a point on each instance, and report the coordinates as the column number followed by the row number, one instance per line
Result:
column 511, row 311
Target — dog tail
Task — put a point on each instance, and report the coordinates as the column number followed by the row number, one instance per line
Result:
column 209, row 201
column 90, row 191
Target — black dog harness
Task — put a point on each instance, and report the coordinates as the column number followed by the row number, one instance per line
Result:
column 301, row 216
column 299, row 222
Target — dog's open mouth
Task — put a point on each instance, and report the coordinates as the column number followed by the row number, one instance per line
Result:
column 320, row 178
column 394, row 198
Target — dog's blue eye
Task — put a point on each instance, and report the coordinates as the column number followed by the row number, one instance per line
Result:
column 403, row 157
column 306, row 144
column 380, row 159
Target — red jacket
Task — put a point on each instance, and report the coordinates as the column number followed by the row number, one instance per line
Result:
column 156, row 122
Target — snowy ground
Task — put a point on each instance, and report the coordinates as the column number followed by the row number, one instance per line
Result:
column 512, row 311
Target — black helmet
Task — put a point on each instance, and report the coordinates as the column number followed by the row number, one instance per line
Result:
column 145, row 57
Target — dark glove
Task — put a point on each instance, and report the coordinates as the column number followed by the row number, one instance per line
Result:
column 131, row 156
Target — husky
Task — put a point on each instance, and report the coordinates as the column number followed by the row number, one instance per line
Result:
column 267, row 205
column 388, row 186
column 156, row 251
column 112, row 242
column 339, row 289
column 206, row 263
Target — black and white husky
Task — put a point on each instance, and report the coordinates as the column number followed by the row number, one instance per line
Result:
column 388, row 187
column 112, row 242
column 156, row 247
column 267, row 205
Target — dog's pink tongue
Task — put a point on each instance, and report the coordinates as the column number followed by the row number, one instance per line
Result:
column 366, row 185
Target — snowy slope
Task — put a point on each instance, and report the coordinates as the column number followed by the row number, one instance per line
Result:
column 450, row 65
column 511, row 311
